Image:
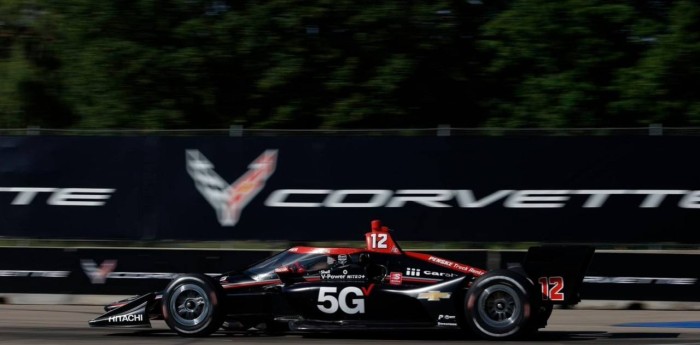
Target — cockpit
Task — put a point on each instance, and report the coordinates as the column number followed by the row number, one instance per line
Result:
column 306, row 260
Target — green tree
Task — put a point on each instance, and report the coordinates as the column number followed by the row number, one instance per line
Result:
column 663, row 86
column 279, row 63
column 346, row 64
column 340, row 64
column 30, row 86
column 122, row 65
column 14, row 68
column 553, row 63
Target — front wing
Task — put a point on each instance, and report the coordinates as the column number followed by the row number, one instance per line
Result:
column 133, row 313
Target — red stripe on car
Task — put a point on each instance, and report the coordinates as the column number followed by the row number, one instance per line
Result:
column 251, row 284
column 455, row 266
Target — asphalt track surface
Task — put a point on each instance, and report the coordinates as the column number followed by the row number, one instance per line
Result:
column 53, row 324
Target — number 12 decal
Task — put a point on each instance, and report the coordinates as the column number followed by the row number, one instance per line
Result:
column 551, row 288
column 379, row 241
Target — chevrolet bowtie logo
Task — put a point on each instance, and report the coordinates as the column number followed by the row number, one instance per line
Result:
column 433, row 295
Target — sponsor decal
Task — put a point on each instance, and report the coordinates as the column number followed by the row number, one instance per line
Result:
column 446, row 320
column 639, row 280
column 395, row 278
column 328, row 303
column 126, row 318
column 466, row 198
column 445, row 263
column 98, row 275
column 229, row 199
column 326, row 275
column 440, row 274
column 434, row 296
column 413, row 272
column 34, row 274
column 456, row 266
column 61, row 196
column 342, row 259
column 368, row 290
column 441, row 261
column 442, row 317
column 447, row 324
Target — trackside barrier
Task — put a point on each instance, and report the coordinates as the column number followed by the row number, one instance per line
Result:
column 611, row 190
column 613, row 276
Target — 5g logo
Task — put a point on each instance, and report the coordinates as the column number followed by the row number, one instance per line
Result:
column 326, row 296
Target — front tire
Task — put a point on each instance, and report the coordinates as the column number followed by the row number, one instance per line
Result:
column 192, row 305
column 500, row 305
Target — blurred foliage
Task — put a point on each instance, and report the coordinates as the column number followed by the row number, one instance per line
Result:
column 665, row 85
column 348, row 64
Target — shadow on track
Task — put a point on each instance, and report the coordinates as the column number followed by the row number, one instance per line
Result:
column 420, row 335
column 145, row 333
column 588, row 336
column 459, row 336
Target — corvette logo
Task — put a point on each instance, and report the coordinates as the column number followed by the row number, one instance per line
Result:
column 229, row 200
column 98, row 275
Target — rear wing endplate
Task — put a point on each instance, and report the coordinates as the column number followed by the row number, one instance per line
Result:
column 558, row 271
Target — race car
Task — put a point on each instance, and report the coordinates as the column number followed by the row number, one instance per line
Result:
column 380, row 286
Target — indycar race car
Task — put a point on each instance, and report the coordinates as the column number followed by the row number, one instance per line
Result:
column 306, row 289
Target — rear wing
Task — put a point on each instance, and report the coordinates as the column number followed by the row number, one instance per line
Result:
column 558, row 271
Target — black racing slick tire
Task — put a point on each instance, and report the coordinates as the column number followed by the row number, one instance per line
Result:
column 193, row 305
column 500, row 305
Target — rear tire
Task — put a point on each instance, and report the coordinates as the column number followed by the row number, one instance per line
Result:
column 192, row 305
column 500, row 305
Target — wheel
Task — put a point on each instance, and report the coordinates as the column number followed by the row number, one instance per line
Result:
column 499, row 305
column 192, row 305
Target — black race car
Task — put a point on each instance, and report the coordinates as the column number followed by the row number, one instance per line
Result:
column 376, row 287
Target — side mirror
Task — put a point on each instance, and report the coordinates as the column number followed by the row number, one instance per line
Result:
column 291, row 273
column 365, row 259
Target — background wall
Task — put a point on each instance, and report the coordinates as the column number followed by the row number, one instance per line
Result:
column 472, row 189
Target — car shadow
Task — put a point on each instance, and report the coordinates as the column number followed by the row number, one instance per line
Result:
column 428, row 335
column 442, row 335
column 592, row 335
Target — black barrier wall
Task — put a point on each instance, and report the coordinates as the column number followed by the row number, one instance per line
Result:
column 635, row 276
column 110, row 271
column 611, row 276
column 545, row 189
